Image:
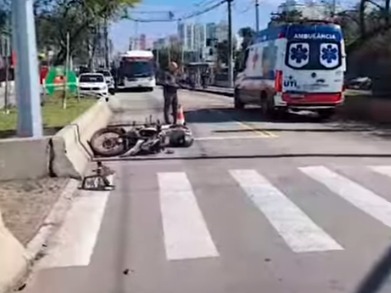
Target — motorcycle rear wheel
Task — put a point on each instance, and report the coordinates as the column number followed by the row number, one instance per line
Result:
column 108, row 142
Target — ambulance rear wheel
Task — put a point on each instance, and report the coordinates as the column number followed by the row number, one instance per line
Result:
column 267, row 107
column 238, row 104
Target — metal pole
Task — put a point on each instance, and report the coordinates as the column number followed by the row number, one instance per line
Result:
column 230, row 49
column 64, row 101
column 257, row 15
column 169, row 54
column 7, row 54
column 27, row 79
column 334, row 4
column 182, row 55
column 106, row 40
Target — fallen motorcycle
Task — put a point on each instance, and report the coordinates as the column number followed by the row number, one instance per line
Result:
column 139, row 140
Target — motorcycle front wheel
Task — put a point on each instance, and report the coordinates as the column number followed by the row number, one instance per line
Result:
column 108, row 142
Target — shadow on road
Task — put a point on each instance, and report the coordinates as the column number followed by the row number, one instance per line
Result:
column 134, row 90
column 215, row 115
column 243, row 157
column 333, row 130
column 378, row 280
column 336, row 124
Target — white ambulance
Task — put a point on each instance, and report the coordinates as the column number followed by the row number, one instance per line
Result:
column 296, row 66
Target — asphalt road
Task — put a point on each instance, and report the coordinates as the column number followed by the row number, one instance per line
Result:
column 253, row 206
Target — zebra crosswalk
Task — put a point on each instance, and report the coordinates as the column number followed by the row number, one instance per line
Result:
column 185, row 230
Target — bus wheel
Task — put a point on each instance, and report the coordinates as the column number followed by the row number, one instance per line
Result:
column 238, row 104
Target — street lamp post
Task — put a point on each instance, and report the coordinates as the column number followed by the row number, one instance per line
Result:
column 27, row 79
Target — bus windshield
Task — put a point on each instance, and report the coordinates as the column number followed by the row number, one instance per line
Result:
column 137, row 68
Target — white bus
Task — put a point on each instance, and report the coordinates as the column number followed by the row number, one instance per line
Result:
column 136, row 70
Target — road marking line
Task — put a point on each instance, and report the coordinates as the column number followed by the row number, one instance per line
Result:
column 74, row 242
column 357, row 195
column 294, row 226
column 384, row 170
column 263, row 133
column 229, row 137
column 186, row 234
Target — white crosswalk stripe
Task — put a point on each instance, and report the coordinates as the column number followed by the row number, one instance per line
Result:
column 294, row 226
column 185, row 232
column 357, row 195
column 385, row 170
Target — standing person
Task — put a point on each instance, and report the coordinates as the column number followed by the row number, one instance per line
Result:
column 170, row 88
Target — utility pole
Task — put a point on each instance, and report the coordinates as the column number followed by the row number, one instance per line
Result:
column 257, row 15
column 106, row 40
column 230, row 49
column 27, row 79
column 65, row 97
column 182, row 55
column 333, row 7
column 7, row 53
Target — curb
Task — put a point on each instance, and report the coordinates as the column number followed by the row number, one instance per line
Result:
column 35, row 248
column 55, row 218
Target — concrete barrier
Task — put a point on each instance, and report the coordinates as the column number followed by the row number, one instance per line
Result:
column 70, row 149
column 14, row 262
column 22, row 158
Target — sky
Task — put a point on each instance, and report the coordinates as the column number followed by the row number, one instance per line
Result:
column 243, row 14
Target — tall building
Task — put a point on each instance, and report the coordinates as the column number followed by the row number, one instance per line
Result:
column 143, row 42
column 186, row 36
column 222, row 31
column 133, row 43
column 211, row 30
column 199, row 36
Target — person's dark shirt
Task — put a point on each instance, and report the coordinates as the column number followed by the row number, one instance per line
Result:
column 170, row 83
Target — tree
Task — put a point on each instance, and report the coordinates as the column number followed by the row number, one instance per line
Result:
column 164, row 55
column 368, row 21
column 247, row 33
column 79, row 18
column 222, row 51
column 4, row 16
column 284, row 17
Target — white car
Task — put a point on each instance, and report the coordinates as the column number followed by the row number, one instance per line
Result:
column 109, row 80
column 93, row 84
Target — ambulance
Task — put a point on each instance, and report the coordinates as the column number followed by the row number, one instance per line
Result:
column 295, row 66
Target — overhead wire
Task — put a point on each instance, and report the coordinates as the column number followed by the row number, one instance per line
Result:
column 184, row 17
column 247, row 8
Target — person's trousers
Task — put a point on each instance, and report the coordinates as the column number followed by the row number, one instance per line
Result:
column 170, row 101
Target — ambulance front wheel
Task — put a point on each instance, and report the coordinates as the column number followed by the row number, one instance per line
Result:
column 238, row 104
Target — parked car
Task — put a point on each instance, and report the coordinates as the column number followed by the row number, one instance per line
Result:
column 93, row 84
column 359, row 83
column 109, row 80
